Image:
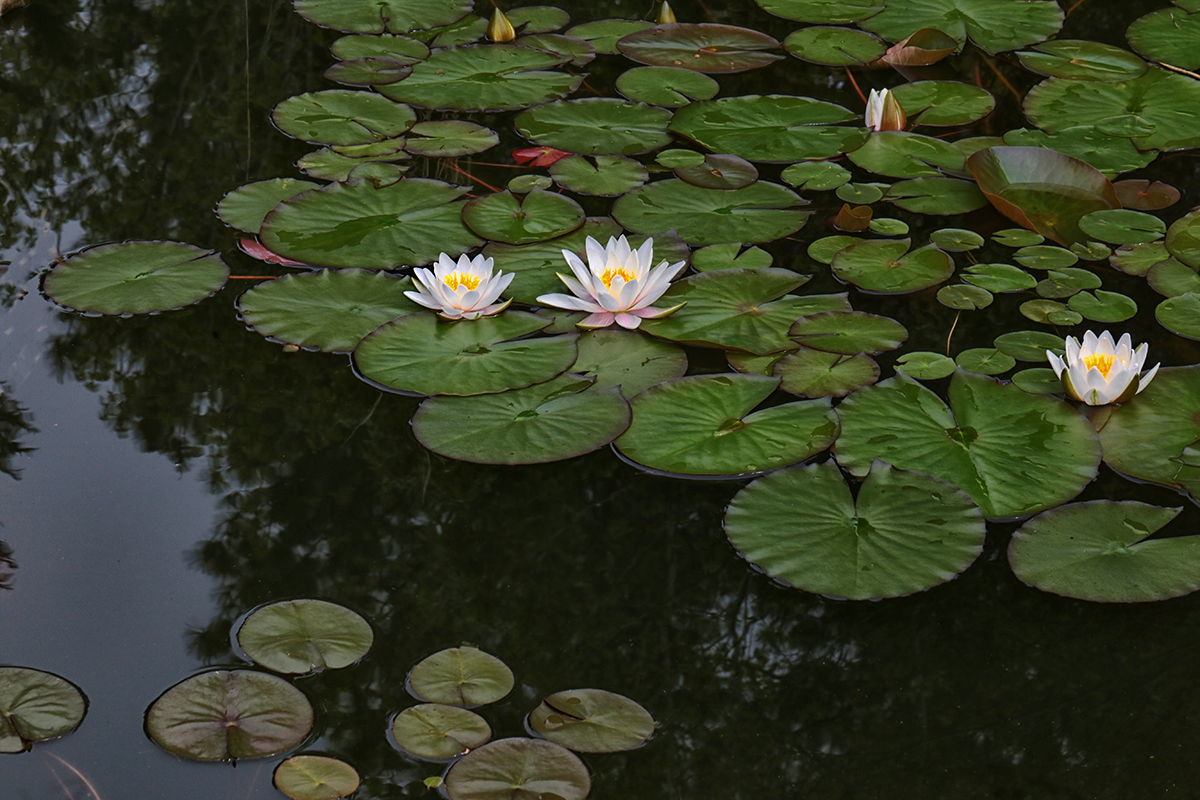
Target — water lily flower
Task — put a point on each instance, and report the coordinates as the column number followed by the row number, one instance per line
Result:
column 1100, row 371
column 884, row 112
column 463, row 290
column 616, row 285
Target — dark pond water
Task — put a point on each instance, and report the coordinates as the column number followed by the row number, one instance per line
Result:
column 175, row 471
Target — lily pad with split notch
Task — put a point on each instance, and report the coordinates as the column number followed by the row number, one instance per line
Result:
column 1106, row 307
column 985, row 361
column 550, row 421
column 460, row 676
column 382, row 16
column 939, row 195
column 312, row 777
column 1122, row 226
column 819, row 176
column 423, row 354
column 223, row 715
column 822, row 11
column 597, row 126
column 369, row 71
column 925, row 366
column 1145, row 437
column 628, row 359
column 592, row 721
column 705, row 425
column 301, row 636
column 848, row 332
column 439, row 732
column 666, row 86
column 999, row 277
column 905, row 532
column 1180, row 314
column 886, row 266
column 760, row 212
column 606, row 176
column 730, row 256
column 719, row 171
column 813, row 373
column 833, row 46
column 36, row 706
column 136, row 278
column 1169, row 35
column 943, row 103
column 330, row 165
column 449, row 138
column 1050, row 312
column 1172, row 278
column 1079, row 59
column 703, row 47
column 1030, row 345
column 994, row 25
column 964, row 297
column 535, row 216
column 579, row 51
column 342, row 116
column 384, row 45
column 1099, row 550
column 603, row 34
column 1138, row 259
column 518, row 769
column 245, row 207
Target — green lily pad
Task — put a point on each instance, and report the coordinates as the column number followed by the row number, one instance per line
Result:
column 342, row 116
column 964, row 297
column 604, row 33
column 1063, row 283
column 223, row 715
column 382, row 16
column 302, row 636
column 704, row 425
column 518, row 769
column 489, row 77
column 905, row 532
column 592, row 721
column 330, row 165
column 888, row 226
column 819, row 176
column 957, row 240
column 942, row 103
column 439, row 732
column 822, row 11
column 1079, row 59
column 739, row 309
column 1045, row 257
column 837, row 47
column 730, row 256
column 666, row 86
column 534, row 217
column 703, row 47
column 761, row 212
column 310, row 777
column 1107, row 307
column 985, row 361
column 999, row 277
column 861, row 193
column 370, row 71
column 36, row 706
column 1017, row 237
column 1172, row 278
column 551, row 421
column 450, row 138
column 1180, row 314
column 1030, row 345
column 1121, row 226
column 467, row 30
column 926, row 366
column 769, row 128
column 719, row 172
column 1050, row 312
column 848, row 332
column 386, row 45
column 1183, row 239
column 1139, row 258
column 813, row 373
column 628, row 359
column 886, row 266
column 944, row 196
column 1168, row 35
column 538, row 19
column 1107, row 153
column 410, row 222
column 245, row 207
column 825, row 248
column 1099, row 550
column 994, row 25
column 607, row 176
column 597, row 125
column 1091, row 251
column 327, row 310
column 527, row 183
column 460, row 676
column 136, row 278
column 423, row 354
column 577, row 50
column 1160, row 102
column 1145, row 437
column 900, row 154
column 1038, row 380
column 677, row 157
column 1014, row 453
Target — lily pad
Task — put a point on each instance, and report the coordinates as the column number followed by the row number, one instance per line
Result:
column 597, row 125
column 460, row 676
column 36, row 706
column 1172, row 278
column 999, row 277
column 666, row 86
column 382, row 16
column 964, row 297
column 302, row 636
column 957, row 240
column 1107, row 153
column 1050, row 312
column 994, row 25
column 370, row 71
column 730, row 256
column 628, row 359
column 421, row 353
column 551, row 421
column 310, row 777
column 985, row 361
column 579, row 51
column 449, row 138
column 1014, row 453
column 769, row 128
column 941, row 103
column 761, row 212
column 926, row 366
column 327, row 310
column 518, row 769
column 944, row 196
column 1146, row 196
column 245, row 207
column 1139, row 258
column 410, row 222
column 1030, row 345
column 136, row 278
column 592, row 721
column 886, row 266
column 819, row 176
column 739, row 309
column 1038, row 380
column 439, row 732
column 386, row 45
column 825, row 248
column 1183, row 239
column 703, row 47
column 342, row 116
column 330, row 165
column 224, row 715
column 813, row 373
column 1045, row 257
column 1067, row 282
column 837, row 47
column 848, row 332
column 533, row 217
column 603, row 34
column 905, row 532
column 704, row 425
column 607, row 176
column 1079, row 59
column 1169, row 35
column 1122, row 226
column 1181, row 314
column 1144, row 437
column 490, row 77
column 538, row 19
column 1099, row 550
column 1106, row 307
column 822, row 11
column 719, row 172
column 900, row 154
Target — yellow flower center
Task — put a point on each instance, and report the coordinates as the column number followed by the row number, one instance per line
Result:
column 457, row 279
column 1101, row 361
column 611, row 272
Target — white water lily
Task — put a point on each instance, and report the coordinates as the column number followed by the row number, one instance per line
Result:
column 616, row 285
column 884, row 112
column 463, row 290
column 1100, row 371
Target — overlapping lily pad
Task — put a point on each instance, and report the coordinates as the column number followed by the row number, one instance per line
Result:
column 603, row 34
column 886, row 266
column 245, row 207
column 449, row 138
column 311, row 777
column 834, row 46
column 900, row 154
column 822, row 11
column 813, row 373
column 730, row 256
column 438, row 732
column 703, row 47
column 760, row 212
column 301, row 636
column 592, row 721
column 1079, row 59
column 666, row 86
column 705, row 425
column 945, row 196
column 905, row 531
column 518, row 769
column 1014, row 453
column 1146, row 437
column 342, row 117
column 628, row 359
column 385, row 45
column 770, row 128
column 597, row 125
column 36, row 706
column 848, row 332
column 943, row 102
column 607, row 176
column 1168, row 35
column 994, row 25
column 382, row 16
column 534, row 217
column 1109, row 154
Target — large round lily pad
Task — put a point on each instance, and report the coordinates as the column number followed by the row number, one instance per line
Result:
column 518, row 769
column 839, row 47
column 301, row 636
column 592, row 721
column 1168, row 35
column 1014, row 453
column 460, row 676
column 223, row 715
column 770, row 128
column 597, row 125
column 439, row 732
column 886, row 266
column 342, row 117
column 534, row 217
column 994, row 25
column 608, row 176
column 905, row 532
column 706, row 425
column 666, row 86
column 703, row 47
column 310, row 777
column 36, row 706
column 550, row 421
column 136, row 278
column 943, row 102
column 761, row 212
column 1080, row 59
column 382, row 16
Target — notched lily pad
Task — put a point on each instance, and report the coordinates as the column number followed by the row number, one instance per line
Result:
column 460, row 676
column 311, row 777
column 438, row 732
column 534, row 217
column 592, row 721
column 302, row 636
column 703, row 47
column 518, row 769
column 36, row 706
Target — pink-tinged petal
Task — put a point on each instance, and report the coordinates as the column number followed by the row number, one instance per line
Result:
column 451, row 313
column 255, row 249
column 601, row 319
column 628, row 321
column 569, row 302
column 657, row 283
column 1149, row 376
column 628, row 295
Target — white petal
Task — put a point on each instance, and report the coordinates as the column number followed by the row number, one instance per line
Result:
column 601, row 319
column 568, row 301
column 608, row 302
column 1139, row 357
column 1149, row 376
column 423, row 299
column 1056, row 363
column 1072, row 350
column 645, row 253
column 577, row 289
column 597, row 256
column 578, row 268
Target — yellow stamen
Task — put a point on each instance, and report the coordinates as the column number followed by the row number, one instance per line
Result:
column 457, row 279
column 1101, row 361
column 610, row 273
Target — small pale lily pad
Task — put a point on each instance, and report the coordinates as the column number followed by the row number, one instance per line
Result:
column 1106, row 307
column 818, row 176
column 301, row 636
column 592, row 721
column 1030, row 345
column 309, row 777
column 832, row 46
column 985, row 361
column 36, row 706
column 518, row 769
column 460, row 676
column 449, row 138
column 999, row 277
column 703, row 47
column 439, row 732
column 925, row 366
column 1051, row 312
column 964, row 297
column 956, row 240
column 342, row 116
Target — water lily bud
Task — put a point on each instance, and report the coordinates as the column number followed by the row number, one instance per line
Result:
column 500, row 29
column 665, row 14
column 884, row 112
column 1101, row 371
